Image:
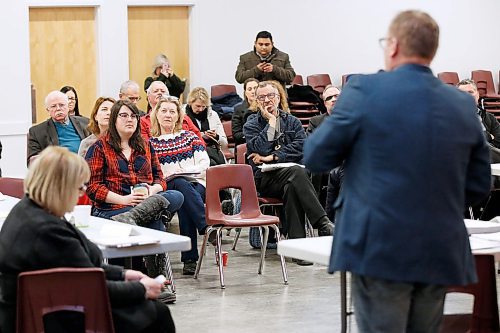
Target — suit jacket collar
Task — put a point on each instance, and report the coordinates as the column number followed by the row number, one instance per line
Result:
column 413, row 67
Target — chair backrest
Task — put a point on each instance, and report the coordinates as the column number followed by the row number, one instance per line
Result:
column 319, row 81
column 228, row 129
column 241, row 151
column 237, row 176
column 484, row 82
column 12, row 186
column 63, row 289
column 221, row 89
column 450, row 78
column 298, row 80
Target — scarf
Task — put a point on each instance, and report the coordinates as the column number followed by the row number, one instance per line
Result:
column 202, row 117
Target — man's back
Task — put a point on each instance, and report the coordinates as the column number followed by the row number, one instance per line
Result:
column 412, row 145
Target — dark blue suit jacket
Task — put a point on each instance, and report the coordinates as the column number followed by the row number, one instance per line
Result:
column 415, row 157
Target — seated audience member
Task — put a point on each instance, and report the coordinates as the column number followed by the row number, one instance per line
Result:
column 59, row 130
column 73, row 109
column 162, row 71
column 242, row 111
column 120, row 161
column 181, row 151
column 275, row 136
column 265, row 62
column 156, row 90
column 98, row 124
column 209, row 124
column 53, row 184
column 490, row 124
column 330, row 95
column 333, row 179
column 130, row 90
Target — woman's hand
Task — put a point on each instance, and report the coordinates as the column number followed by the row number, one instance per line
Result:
column 153, row 189
column 167, row 70
column 131, row 275
column 153, row 287
column 133, row 199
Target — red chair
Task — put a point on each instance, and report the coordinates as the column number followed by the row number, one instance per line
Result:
column 298, row 80
column 450, row 78
column 228, row 153
column 484, row 317
column 484, row 82
column 240, row 177
column 319, row 81
column 221, row 89
column 12, row 186
column 63, row 289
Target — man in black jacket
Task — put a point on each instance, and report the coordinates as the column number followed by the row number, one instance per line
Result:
column 330, row 96
column 59, row 130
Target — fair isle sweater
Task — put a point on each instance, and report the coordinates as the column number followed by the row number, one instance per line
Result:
column 182, row 152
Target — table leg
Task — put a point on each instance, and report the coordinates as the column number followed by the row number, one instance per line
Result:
column 343, row 301
column 170, row 274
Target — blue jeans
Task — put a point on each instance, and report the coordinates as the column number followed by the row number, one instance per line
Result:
column 174, row 197
column 191, row 215
column 383, row 306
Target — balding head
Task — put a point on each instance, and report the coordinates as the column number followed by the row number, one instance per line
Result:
column 155, row 91
column 130, row 90
column 56, row 104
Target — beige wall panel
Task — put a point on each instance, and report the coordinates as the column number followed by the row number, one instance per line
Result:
column 154, row 30
column 63, row 52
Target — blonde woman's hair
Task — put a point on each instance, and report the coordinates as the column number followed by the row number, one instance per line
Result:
column 199, row 93
column 159, row 60
column 155, row 124
column 54, row 179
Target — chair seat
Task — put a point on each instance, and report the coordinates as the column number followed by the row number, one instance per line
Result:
column 236, row 221
column 269, row 201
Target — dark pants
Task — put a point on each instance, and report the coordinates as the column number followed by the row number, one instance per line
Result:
column 191, row 215
column 383, row 306
column 294, row 187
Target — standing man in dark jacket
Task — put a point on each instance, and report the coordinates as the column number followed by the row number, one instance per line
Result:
column 275, row 136
column 414, row 156
column 59, row 130
column 265, row 62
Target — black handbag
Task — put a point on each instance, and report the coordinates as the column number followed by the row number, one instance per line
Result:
column 216, row 155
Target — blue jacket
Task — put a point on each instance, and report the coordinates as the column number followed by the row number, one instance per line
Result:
column 287, row 147
column 415, row 156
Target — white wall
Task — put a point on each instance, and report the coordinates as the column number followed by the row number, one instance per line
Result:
column 321, row 36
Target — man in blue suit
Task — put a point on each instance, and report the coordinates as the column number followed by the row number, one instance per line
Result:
column 414, row 157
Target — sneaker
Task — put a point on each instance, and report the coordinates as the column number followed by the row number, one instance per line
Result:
column 301, row 262
column 167, row 297
column 189, row 267
column 326, row 229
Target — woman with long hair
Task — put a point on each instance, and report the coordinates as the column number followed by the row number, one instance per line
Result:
column 98, row 124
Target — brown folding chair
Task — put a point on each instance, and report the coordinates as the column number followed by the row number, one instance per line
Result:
column 319, row 81
column 298, row 80
column 221, row 89
column 450, row 78
column 484, row 82
column 47, row 291
column 240, row 177
column 484, row 317
column 12, row 186
column 229, row 152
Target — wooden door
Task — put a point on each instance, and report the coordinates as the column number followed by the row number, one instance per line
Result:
column 155, row 30
column 63, row 52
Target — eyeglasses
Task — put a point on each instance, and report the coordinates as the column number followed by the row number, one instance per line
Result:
column 72, row 99
column 134, row 99
column 55, row 106
column 262, row 98
column 125, row 116
column 329, row 98
column 384, row 41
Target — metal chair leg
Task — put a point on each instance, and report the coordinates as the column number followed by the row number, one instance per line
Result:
column 170, row 274
column 236, row 237
column 263, row 248
column 219, row 255
column 282, row 258
column 202, row 251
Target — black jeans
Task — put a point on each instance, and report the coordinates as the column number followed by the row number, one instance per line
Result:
column 294, row 187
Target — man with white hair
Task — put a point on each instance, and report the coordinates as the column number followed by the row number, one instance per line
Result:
column 59, row 130
column 155, row 91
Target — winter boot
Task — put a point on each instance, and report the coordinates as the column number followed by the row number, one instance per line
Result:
column 144, row 213
column 156, row 265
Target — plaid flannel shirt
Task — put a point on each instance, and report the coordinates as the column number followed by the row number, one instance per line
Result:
column 111, row 171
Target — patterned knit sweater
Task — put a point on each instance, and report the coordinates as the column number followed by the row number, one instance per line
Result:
column 182, row 152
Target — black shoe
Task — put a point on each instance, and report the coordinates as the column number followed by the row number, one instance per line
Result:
column 167, row 297
column 189, row 268
column 326, row 229
column 212, row 238
column 301, row 262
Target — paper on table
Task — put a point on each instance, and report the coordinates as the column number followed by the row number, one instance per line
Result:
column 275, row 166
column 478, row 243
column 117, row 235
column 481, row 227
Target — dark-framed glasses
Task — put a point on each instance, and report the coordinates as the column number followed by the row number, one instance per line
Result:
column 269, row 96
column 125, row 116
column 329, row 98
column 134, row 99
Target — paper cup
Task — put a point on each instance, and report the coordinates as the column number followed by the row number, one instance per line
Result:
column 224, row 258
column 81, row 214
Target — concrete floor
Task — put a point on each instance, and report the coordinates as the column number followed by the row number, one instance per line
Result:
column 262, row 303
